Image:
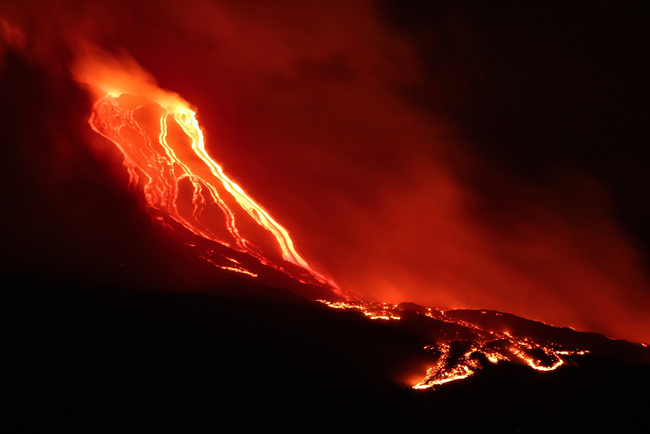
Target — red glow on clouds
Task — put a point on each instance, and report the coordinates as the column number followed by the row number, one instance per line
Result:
column 307, row 101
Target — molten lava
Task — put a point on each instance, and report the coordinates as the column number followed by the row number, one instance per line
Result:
column 461, row 348
column 164, row 153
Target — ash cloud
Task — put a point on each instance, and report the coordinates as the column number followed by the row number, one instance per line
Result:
column 393, row 145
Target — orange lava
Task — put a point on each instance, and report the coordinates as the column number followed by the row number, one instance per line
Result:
column 165, row 154
column 459, row 358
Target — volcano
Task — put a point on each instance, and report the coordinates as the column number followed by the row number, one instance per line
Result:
column 111, row 323
column 144, row 287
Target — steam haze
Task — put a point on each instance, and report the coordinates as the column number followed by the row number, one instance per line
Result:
column 416, row 154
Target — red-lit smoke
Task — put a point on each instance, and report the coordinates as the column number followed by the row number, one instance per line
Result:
column 307, row 106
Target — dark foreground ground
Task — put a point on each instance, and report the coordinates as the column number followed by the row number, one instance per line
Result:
column 108, row 358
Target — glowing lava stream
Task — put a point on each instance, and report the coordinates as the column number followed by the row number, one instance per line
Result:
column 494, row 346
column 164, row 172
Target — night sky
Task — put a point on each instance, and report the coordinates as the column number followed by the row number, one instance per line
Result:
column 481, row 155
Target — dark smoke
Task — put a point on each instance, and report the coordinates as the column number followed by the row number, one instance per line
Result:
column 456, row 156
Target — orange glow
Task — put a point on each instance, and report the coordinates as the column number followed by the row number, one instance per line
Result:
column 495, row 346
column 162, row 156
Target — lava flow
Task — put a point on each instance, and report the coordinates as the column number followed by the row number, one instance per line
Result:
column 164, row 153
column 461, row 348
